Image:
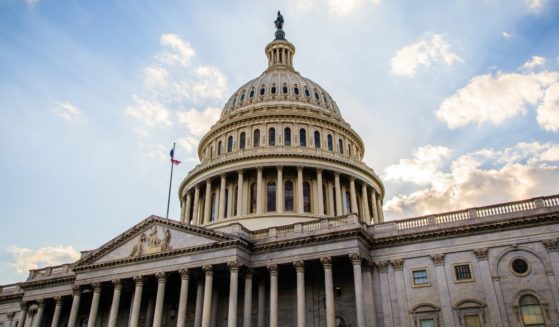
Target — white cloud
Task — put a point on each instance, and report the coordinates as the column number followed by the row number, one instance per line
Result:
column 421, row 169
column 181, row 51
column 506, row 35
column 68, row 112
column 149, row 112
column 211, row 83
column 189, row 143
column 479, row 178
column 548, row 111
column 26, row 259
column 495, row 98
column 156, row 77
column 427, row 50
column 198, row 122
column 535, row 5
column 534, row 62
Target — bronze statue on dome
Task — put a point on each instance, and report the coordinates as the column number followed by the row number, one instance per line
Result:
column 279, row 21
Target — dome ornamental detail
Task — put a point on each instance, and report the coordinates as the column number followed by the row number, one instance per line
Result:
column 280, row 153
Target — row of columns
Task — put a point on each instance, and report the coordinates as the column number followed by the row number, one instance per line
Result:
column 204, row 302
column 193, row 202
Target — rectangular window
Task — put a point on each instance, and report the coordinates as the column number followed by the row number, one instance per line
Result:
column 427, row 323
column 472, row 321
column 462, row 272
column 420, row 277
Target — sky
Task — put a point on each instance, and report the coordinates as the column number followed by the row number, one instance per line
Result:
column 457, row 102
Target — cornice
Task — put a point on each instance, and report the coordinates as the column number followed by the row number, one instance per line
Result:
column 11, row 298
column 466, row 230
column 32, row 284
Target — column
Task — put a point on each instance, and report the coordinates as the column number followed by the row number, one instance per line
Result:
column 196, row 204
column 229, row 211
column 370, row 314
column 261, row 301
column 23, row 314
column 187, row 206
column 233, row 292
column 358, row 284
column 380, row 213
column 76, row 293
column 299, row 193
column 160, row 298
column 259, row 190
column 183, row 297
column 247, row 312
column 10, row 317
column 199, row 303
column 353, row 196
column 94, row 305
column 113, row 315
column 57, row 311
column 222, row 199
column 339, row 207
column 207, row 307
column 552, row 247
column 490, row 295
column 374, row 216
column 366, row 217
column 387, row 316
column 40, row 311
column 240, row 193
column 329, row 291
column 301, row 310
column 279, row 190
column 273, row 295
column 331, row 209
column 208, row 201
column 446, row 309
column 320, row 197
column 403, row 313
column 215, row 302
column 136, row 305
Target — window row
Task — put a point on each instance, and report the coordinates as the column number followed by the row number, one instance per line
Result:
column 285, row 90
column 287, row 141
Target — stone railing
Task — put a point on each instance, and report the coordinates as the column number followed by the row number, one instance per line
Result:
column 472, row 213
column 322, row 224
column 49, row 272
column 9, row 289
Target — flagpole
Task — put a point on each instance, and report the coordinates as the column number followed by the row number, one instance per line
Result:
column 170, row 183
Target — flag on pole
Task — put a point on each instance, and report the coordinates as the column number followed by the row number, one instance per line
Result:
column 173, row 160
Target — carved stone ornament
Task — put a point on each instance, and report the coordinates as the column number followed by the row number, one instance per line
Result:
column 40, row 302
column 382, row 265
column 24, row 305
column 248, row 274
column 397, row 264
column 76, row 290
column 355, row 258
column 481, row 254
column 273, row 270
column 96, row 287
column 208, row 270
column 551, row 245
column 438, row 259
column 299, row 266
column 139, row 280
column 149, row 244
column 117, row 284
column 10, row 315
column 58, row 300
column 326, row 262
column 185, row 274
column 161, row 277
column 234, row 266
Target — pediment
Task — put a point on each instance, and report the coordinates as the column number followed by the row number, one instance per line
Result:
column 154, row 235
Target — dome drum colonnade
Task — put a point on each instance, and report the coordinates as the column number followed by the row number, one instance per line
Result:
column 280, row 149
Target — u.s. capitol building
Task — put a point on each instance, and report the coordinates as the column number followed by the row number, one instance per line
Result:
column 281, row 224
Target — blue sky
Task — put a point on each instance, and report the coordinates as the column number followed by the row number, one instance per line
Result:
column 456, row 101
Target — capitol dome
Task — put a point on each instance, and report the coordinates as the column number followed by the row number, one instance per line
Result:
column 280, row 153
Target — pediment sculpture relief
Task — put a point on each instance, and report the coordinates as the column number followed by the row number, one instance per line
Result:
column 149, row 244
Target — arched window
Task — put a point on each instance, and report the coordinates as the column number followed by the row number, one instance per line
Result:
column 287, row 136
column 284, row 90
column 213, row 208
column 211, row 151
column 347, row 206
column 273, row 90
column 307, row 93
column 230, row 144
column 316, row 139
column 302, row 137
column 219, row 148
column 242, row 140
column 531, row 311
column 236, row 194
column 262, row 91
column 324, row 201
column 296, row 90
column 340, row 146
column 307, row 197
column 271, row 196
column 251, row 94
column 253, row 198
column 288, row 196
column 272, row 136
column 256, row 138
column 330, row 143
